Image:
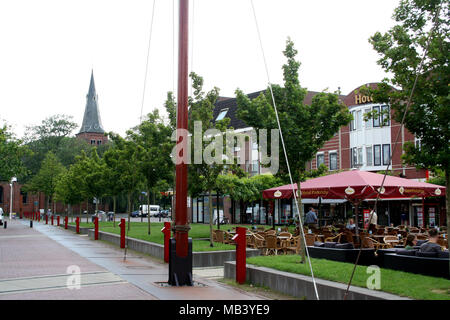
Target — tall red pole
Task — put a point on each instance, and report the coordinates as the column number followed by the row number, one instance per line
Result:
column 181, row 169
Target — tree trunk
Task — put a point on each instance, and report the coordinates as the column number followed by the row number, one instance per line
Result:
column 211, row 243
column 129, row 210
column 87, row 210
column 114, row 210
column 300, row 222
column 81, row 208
column 46, row 204
column 148, row 212
column 447, row 203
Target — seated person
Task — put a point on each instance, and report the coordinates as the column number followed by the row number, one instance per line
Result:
column 350, row 225
column 431, row 245
column 411, row 241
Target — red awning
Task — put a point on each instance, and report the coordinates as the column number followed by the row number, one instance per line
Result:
column 357, row 185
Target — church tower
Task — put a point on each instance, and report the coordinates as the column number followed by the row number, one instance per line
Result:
column 92, row 129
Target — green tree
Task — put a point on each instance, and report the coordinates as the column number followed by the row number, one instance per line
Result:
column 129, row 156
column 156, row 166
column 49, row 136
column 11, row 154
column 421, row 30
column 203, row 175
column 111, row 177
column 69, row 189
column 46, row 179
column 305, row 128
column 95, row 187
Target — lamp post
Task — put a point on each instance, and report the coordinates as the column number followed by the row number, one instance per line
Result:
column 13, row 179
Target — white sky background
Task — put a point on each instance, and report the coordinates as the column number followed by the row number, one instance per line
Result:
column 48, row 47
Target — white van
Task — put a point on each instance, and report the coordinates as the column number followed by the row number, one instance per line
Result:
column 144, row 210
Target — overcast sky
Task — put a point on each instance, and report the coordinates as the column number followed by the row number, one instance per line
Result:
column 48, row 48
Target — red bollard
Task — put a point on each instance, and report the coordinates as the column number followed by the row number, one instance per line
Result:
column 66, row 222
column 46, row 219
column 166, row 231
column 241, row 245
column 96, row 228
column 122, row 233
column 39, row 217
column 77, row 222
column 52, row 219
column 57, row 221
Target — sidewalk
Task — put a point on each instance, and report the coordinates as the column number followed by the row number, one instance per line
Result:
column 33, row 265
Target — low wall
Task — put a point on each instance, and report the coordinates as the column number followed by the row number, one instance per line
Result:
column 73, row 228
column 199, row 259
column 301, row 286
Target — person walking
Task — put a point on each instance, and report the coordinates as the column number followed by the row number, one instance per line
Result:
column 311, row 219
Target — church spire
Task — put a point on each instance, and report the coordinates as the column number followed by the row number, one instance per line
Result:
column 92, row 122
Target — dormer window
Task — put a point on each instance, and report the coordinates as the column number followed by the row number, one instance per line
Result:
column 222, row 114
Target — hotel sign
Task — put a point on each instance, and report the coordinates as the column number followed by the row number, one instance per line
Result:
column 362, row 99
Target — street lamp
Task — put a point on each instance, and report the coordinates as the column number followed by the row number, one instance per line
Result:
column 13, row 179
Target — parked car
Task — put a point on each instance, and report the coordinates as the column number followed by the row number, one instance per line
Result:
column 135, row 213
column 110, row 215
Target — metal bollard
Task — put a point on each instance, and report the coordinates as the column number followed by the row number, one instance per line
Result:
column 77, row 221
column 66, row 221
column 31, row 223
column 52, row 219
column 241, row 245
column 5, row 224
column 96, row 228
column 166, row 232
column 57, row 221
column 122, row 233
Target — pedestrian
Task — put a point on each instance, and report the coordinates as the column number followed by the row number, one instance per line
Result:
column 431, row 245
column 311, row 219
column 373, row 220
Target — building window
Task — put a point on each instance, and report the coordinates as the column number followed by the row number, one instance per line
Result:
column 92, row 141
column 359, row 120
column 377, row 155
column 255, row 166
column 385, row 119
column 99, row 142
column 369, row 156
column 255, row 145
column 333, row 161
column 418, row 144
column 320, row 159
column 352, row 123
column 360, row 156
column 386, row 154
column 222, row 114
column 24, row 196
column 376, row 117
column 355, row 157
column 368, row 122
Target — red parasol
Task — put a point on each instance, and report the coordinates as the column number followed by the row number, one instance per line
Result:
column 357, row 185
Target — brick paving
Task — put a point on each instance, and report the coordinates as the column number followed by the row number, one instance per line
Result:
column 34, row 263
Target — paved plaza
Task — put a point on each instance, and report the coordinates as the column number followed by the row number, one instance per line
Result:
column 34, row 264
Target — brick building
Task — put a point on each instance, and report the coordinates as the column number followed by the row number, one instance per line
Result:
column 366, row 145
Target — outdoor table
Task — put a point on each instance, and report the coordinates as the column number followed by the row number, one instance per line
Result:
column 379, row 238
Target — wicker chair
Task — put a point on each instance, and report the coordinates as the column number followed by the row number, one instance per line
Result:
column 391, row 240
column 220, row 237
column 271, row 245
column 294, row 245
column 336, row 238
column 310, row 239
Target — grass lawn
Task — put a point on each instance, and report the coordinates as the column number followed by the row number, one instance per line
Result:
column 397, row 282
column 139, row 230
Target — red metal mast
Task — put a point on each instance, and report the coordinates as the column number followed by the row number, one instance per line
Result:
column 181, row 170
